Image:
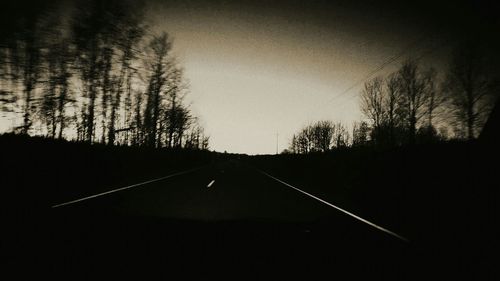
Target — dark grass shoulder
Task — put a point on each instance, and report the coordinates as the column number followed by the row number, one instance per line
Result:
column 40, row 171
column 440, row 195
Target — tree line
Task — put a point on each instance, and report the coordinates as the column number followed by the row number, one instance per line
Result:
column 93, row 72
column 413, row 105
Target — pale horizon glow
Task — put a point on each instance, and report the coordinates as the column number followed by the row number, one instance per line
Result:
column 255, row 77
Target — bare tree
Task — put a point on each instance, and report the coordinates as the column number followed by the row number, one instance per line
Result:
column 56, row 62
column 127, row 107
column 177, row 121
column 177, row 116
column 158, row 66
column 413, row 97
column 304, row 140
column 322, row 135
column 434, row 100
column 98, row 42
column 397, row 105
column 48, row 108
column 29, row 67
column 392, row 111
column 469, row 87
column 131, row 32
column 95, row 26
column 138, row 137
column 294, row 146
column 360, row 133
column 107, row 84
column 434, row 108
column 205, row 143
column 87, row 25
column 63, row 80
column 341, row 136
column 196, row 138
column 372, row 103
column 8, row 98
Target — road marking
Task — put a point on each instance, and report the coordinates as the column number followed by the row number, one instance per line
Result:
column 210, row 184
column 340, row 209
column 123, row 188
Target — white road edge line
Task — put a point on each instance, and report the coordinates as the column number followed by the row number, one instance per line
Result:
column 123, row 188
column 211, row 183
column 340, row 209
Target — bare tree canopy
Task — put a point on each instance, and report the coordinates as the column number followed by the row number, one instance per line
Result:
column 93, row 72
column 470, row 88
column 372, row 102
column 321, row 136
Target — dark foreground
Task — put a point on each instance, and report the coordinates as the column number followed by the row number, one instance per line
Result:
column 246, row 225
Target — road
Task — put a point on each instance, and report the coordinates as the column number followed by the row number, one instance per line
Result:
column 226, row 219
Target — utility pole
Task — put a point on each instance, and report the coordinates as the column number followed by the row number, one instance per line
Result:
column 277, row 136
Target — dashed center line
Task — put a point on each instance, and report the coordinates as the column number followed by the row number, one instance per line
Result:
column 211, row 183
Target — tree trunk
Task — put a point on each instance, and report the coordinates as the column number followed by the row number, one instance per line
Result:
column 470, row 116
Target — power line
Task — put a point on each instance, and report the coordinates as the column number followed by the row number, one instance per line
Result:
column 382, row 66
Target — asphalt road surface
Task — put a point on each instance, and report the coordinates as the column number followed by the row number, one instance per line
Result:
column 222, row 221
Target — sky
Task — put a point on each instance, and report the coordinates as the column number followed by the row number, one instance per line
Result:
column 260, row 70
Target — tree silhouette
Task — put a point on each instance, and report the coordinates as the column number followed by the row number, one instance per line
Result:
column 396, row 106
column 87, row 72
column 176, row 117
column 95, row 26
column 158, row 67
column 373, row 104
column 196, row 138
column 29, row 67
column 131, row 32
column 469, row 87
column 392, row 118
column 360, row 133
column 341, row 136
column 414, row 96
column 321, row 136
